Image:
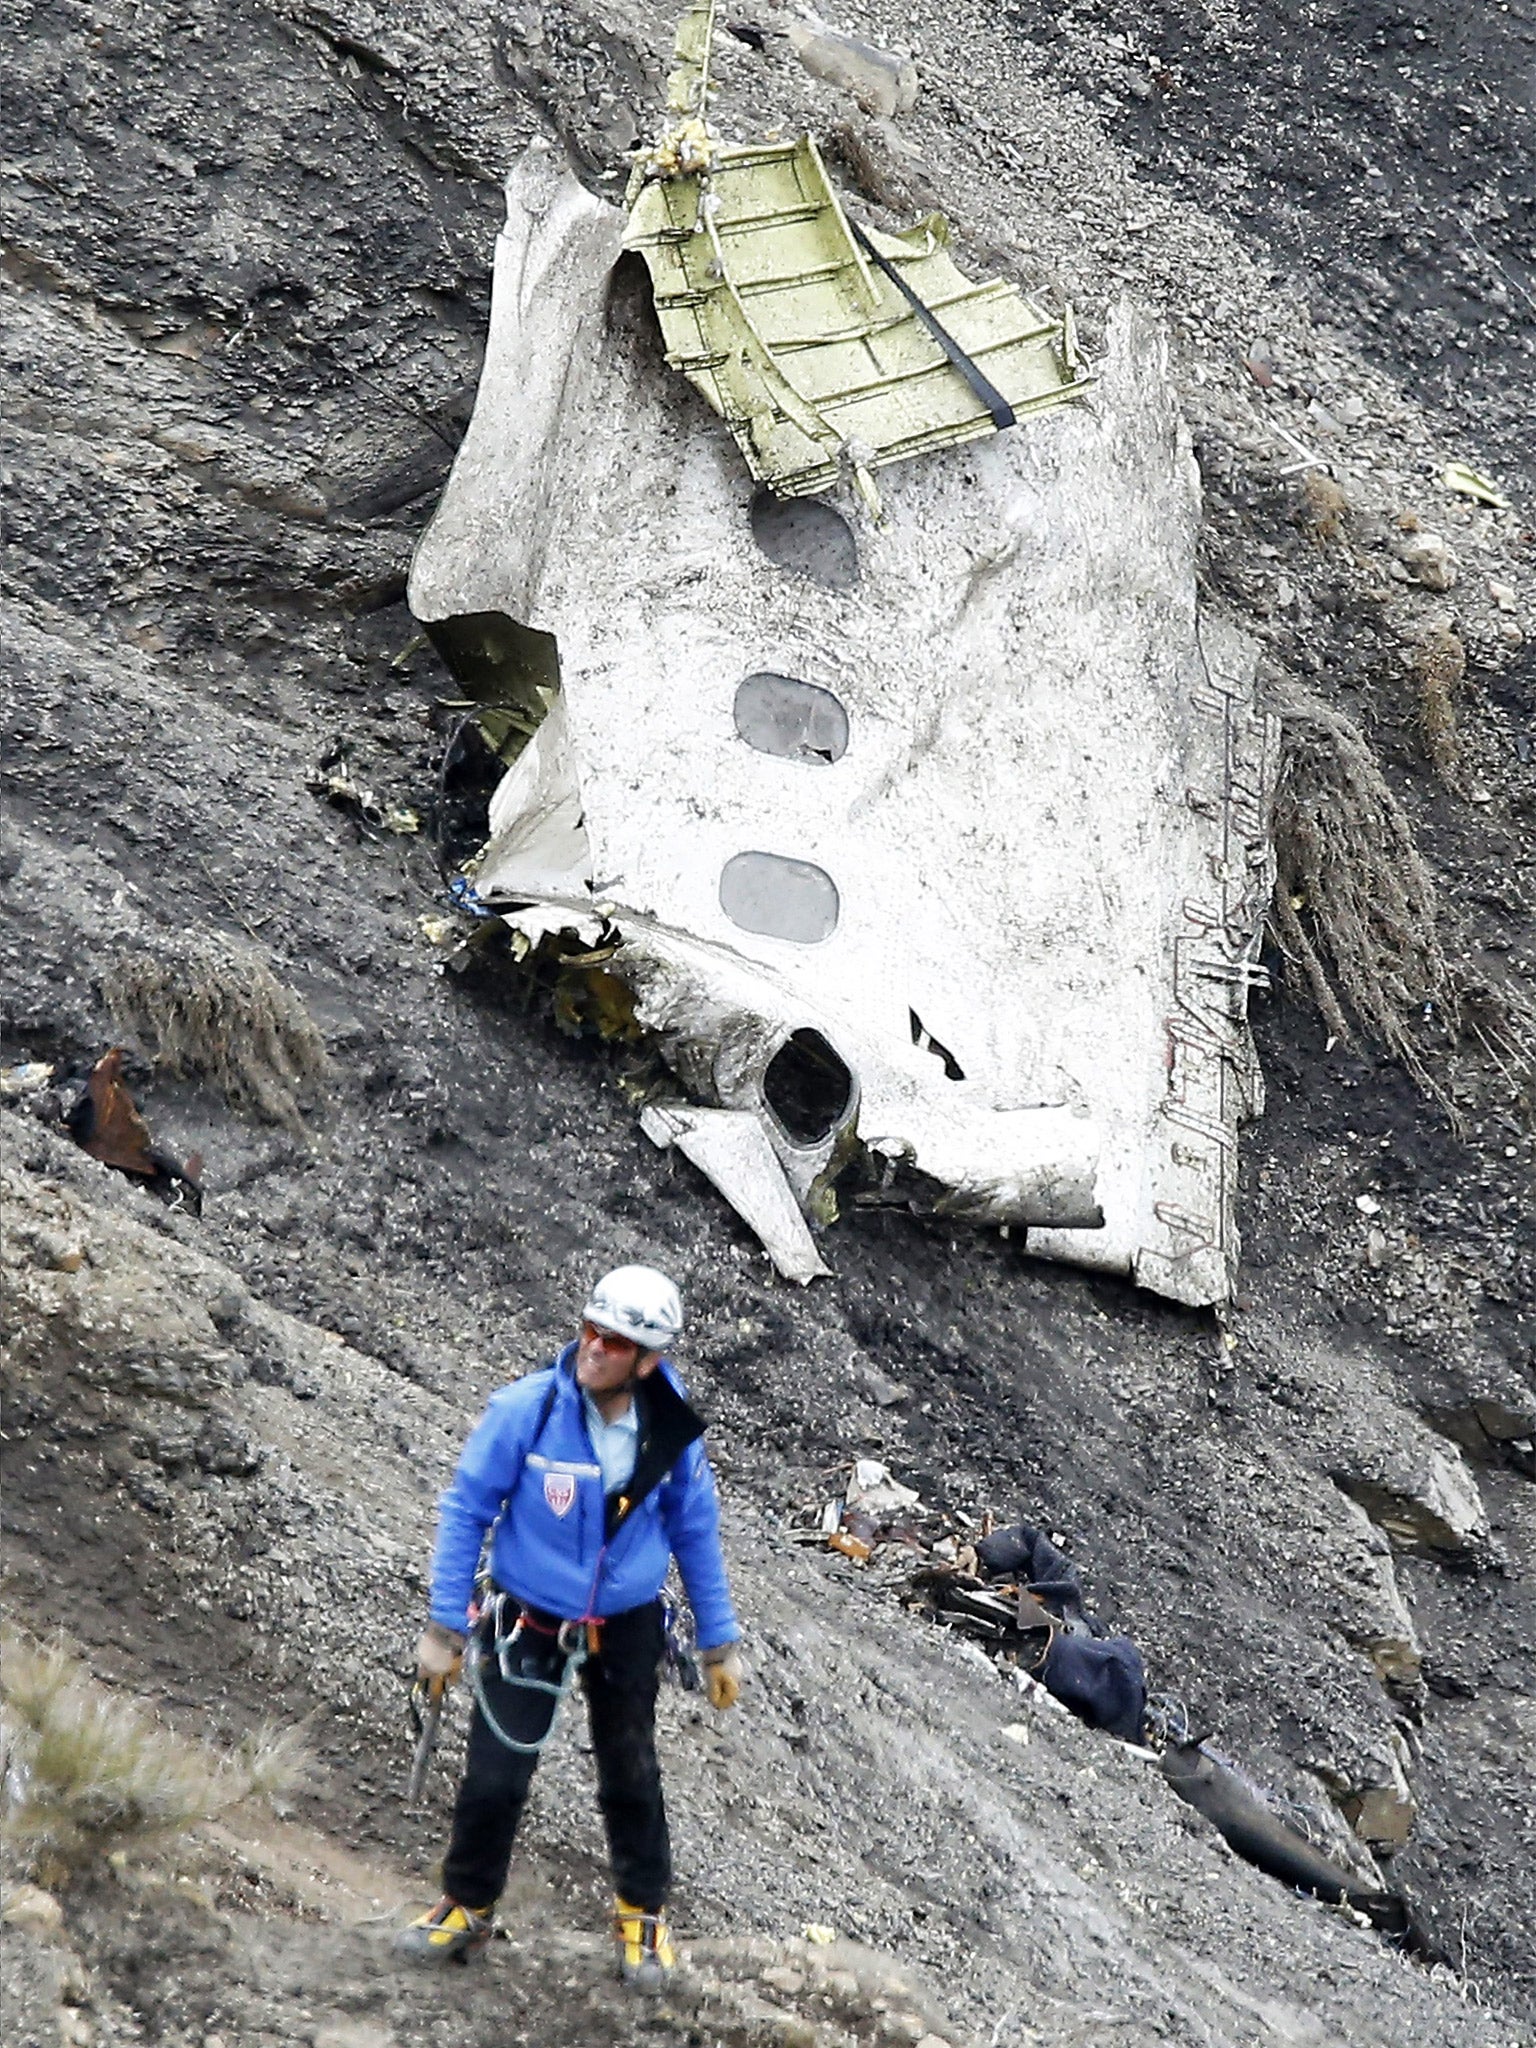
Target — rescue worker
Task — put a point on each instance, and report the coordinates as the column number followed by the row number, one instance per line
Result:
column 591, row 1476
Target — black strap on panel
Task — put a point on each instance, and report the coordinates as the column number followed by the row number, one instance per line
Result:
column 1003, row 414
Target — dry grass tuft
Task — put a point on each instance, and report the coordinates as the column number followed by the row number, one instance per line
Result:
column 87, row 1774
column 1323, row 507
column 205, row 1005
column 1437, row 666
column 1355, row 907
column 1355, row 911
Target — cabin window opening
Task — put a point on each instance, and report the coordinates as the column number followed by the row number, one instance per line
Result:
column 795, row 720
column 806, row 537
column 779, row 897
column 807, row 1087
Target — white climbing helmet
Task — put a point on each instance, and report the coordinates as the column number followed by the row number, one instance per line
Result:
column 639, row 1303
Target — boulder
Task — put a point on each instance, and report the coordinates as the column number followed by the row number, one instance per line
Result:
column 1424, row 1501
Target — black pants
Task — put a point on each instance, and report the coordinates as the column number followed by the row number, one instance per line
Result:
column 620, row 1682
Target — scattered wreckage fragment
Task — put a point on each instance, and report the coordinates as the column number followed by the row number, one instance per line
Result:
column 28, row 1077
column 99, row 1113
column 1016, row 1590
column 104, row 1120
column 823, row 345
column 1256, row 1833
column 934, row 843
column 1015, row 1593
column 729, row 1147
column 332, row 778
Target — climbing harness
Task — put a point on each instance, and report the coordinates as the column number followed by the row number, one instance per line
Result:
column 486, row 1614
column 574, row 1642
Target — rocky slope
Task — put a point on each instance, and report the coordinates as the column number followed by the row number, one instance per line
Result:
column 247, row 262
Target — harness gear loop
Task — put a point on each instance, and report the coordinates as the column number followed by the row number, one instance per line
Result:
column 572, row 1636
column 574, row 1642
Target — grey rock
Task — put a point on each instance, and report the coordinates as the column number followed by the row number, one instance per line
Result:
column 226, row 1449
column 1427, row 559
column 1426, row 1503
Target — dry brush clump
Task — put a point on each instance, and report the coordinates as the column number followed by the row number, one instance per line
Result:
column 1323, row 507
column 207, row 1006
column 1355, row 909
column 1437, row 668
column 1355, row 906
column 88, row 1774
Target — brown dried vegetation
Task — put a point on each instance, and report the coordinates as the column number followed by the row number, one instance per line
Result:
column 1355, row 910
column 88, row 1774
column 1437, row 667
column 1323, row 506
column 207, row 1006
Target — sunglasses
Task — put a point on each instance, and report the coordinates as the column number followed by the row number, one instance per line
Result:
column 608, row 1340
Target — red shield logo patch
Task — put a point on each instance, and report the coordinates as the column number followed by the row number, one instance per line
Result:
column 560, row 1492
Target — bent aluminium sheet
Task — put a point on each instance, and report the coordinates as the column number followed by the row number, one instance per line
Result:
column 945, row 834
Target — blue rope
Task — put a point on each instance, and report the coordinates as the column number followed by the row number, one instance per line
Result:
column 475, row 1657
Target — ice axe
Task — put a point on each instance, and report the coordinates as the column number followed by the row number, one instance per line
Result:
column 426, row 1699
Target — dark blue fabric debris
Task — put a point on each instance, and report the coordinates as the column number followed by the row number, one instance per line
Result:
column 1098, row 1675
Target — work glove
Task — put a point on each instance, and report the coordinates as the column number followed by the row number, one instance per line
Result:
column 439, row 1659
column 722, row 1674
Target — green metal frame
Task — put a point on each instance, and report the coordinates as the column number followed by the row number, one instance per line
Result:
column 769, row 307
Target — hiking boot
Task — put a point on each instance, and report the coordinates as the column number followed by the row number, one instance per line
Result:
column 646, row 1960
column 449, row 1933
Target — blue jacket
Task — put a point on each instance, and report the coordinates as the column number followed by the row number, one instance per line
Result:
column 558, row 1544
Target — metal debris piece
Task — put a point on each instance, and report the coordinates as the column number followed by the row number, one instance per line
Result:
column 333, row 779
column 104, row 1121
column 1467, row 483
column 28, row 1078
column 823, row 346
column 729, row 1147
column 871, row 1486
column 538, row 845
column 941, row 851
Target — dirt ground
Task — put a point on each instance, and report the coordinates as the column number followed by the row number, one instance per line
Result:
column 247, row 259
column 1381, row 155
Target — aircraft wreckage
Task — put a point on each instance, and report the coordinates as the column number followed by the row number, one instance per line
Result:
column 883, row 756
